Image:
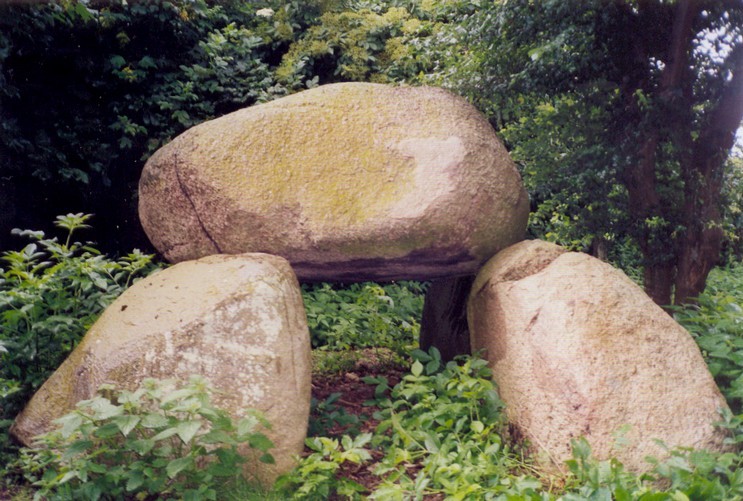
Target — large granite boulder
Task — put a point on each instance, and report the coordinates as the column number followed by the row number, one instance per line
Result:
column 237, row 320
column 578, row 349
column 349, row 181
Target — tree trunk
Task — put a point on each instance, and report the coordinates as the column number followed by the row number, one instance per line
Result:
column 444, row 320
column 641, row 179
column 703, row 175
column 659, row 282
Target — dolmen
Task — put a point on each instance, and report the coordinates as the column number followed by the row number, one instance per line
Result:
column 358, row 181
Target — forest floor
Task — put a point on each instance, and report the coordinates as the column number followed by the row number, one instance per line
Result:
column 355, row 398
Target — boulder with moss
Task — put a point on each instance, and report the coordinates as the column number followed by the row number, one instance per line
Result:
column 352, row 181
column 578, row 349
column 237, row 320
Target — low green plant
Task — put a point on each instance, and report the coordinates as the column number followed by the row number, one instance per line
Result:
column 442, row 433
column 163, row 440
column 594, row 479
column 442, row 430
column 364, row 315
column 325, row 414
column 316, row 475
column 687, row 474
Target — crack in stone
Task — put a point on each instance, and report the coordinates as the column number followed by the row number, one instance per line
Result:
column 176, row 168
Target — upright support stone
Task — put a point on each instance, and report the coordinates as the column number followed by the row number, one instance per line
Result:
column 237, row 320
column 444, row 320
column 578, row 349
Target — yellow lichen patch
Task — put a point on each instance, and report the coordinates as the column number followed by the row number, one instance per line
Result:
column 338, row 158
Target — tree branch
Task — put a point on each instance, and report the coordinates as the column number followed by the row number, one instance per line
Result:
column 683, row 34
column 725, row 117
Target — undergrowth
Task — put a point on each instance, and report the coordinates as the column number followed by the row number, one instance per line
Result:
column 364, row 315
column 716, row 323
column 51, row 292
column 163, row 440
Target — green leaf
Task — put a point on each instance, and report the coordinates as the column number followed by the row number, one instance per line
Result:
column 166, row 433
column 77, row 447
column 107, row 430
column 117, row 61
column 126, row 423
column 81, row 10
column 416, row 369
column 70, row 423
column 142, row 446
column 217, row 436
column 178, row 465
column 187, row 429
column 146, row 63
column 477, row 426
column 154, row 421
column 260, row 441
column 103, row 408
column 135, row 481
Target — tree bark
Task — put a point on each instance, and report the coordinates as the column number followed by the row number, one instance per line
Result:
column 444, row 320
column 659, row 280
column 703, row 176
column 685, row 265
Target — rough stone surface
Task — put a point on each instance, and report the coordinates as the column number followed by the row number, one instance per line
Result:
column 577, row 349
column 237, row 320
column 348, row 181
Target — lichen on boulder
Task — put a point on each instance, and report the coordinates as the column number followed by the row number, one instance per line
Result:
column 350, row 181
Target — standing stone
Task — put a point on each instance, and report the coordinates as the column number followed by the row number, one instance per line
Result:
column 237, row 320
column 351, row 181
column 578, row 349
column 444, row 319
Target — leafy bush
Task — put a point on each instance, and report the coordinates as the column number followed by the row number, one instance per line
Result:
column 50, row 294
column 440, row 432
column 160, row 440
column 364, row 315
